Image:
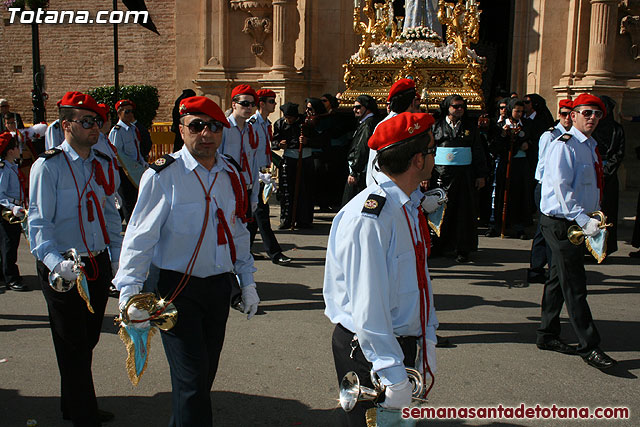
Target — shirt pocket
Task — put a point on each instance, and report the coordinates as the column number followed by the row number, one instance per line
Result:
column 186, row 218
column 405, row 278
column 66, row 204
column 587, row 175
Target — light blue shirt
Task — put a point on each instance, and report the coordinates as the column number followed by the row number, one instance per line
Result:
column 234, row 143
column 543, row 144
column 569, row 183
column 124, row 138
column 54, row 135
column 168, row 217
column 261, row 130
column 53, row 208
column 370, row 278
column 10, row 190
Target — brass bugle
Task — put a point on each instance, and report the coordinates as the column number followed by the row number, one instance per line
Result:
column 57, row 282
column 351, row 392
column 7, row 215
column 162, row 314
column 575, row 233
column 440, row 193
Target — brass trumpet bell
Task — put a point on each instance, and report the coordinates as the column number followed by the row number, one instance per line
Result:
column 162, row 314
column 7, row 215
column 575, row 233
column 57, row 282
column 351, row 392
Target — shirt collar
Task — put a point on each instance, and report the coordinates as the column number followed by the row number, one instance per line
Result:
column 396, row 194
column 72, row 153
column 366, row 117
column 123, row 124
column 450, row 123
column 509, row 122
column 190, row 163
column 579, row 135
column 532, row 115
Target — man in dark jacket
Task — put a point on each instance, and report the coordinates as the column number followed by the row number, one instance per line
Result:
column 365, row 109
column 610, row 137
column 460, row 170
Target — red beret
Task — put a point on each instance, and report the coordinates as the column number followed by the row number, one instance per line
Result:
column 79, row 100
column 124, row 103
column 565, row 103
column 244, row 90
column 266, row 93
column 202, row 105
column 5, row 139
column 587, row 99
column 400, row 86
column 399, row 128
column 105, row 111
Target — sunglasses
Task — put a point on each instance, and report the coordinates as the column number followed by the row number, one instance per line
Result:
column 588, row 113
column 357, row 107
column 503, row 108
column 457, row 106
column 247, row 103
column 430, row 150
column 87, row 123
column 197, row 126
column 527, row 102
column 564, row 113
column 271, row 101
column 127, row 111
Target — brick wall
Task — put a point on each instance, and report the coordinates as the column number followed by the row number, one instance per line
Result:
column 80, row 57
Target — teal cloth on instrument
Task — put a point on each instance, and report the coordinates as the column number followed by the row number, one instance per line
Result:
column 25, row 229
column 453, row 156
column 435, row 218
column 392, row 418
column 598, row 245
column 139, row 338
column 85, row 287
column 520, row 154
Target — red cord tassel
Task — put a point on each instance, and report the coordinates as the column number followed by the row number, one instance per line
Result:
column 222, row 238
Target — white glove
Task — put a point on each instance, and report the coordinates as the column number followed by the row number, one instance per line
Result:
column 250, row 300
column 592, row 228
column 66, row 269
column 18, row 211
column 136, row 314
column 114, row 268
column 430, row 203
column 265, row 177
column 398, row 396
column 127, row 292
column 254, row 206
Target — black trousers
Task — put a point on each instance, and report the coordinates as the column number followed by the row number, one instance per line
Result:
column 635, row 238
column 9, row 242
column 609, row 205
column 341, row 346
column 540, row 252
column 262, row 223
column 75, row 333
column 129, row 194
column 304, row 211
column 194, row 344
column 567, row 283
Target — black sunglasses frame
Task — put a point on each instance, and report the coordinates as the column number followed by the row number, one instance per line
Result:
column 87, row 123
column 198, row 125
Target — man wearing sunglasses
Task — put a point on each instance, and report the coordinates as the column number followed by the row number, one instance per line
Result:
column 540, row 252
column 240, row 143
column 571, row 189
column 264, row 135
column 126, row 138
column 72, row 205
column 188, row 198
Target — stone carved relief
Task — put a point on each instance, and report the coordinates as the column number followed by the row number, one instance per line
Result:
column 631, row 25
column 258, row 28
column 250, row 4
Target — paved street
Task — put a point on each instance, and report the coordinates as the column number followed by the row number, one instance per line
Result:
column 277, row 369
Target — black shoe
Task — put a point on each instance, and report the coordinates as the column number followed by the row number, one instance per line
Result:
column 557, row 345
column 284, row 226
column 634, row 254
column 281, row 259
column 533, row 277
column 17, row 286
column 598, row 359
column 105, row 416
column 1, row 290
column 257, row 256
column 491, row 232
column 461, row 259
column 113, row 292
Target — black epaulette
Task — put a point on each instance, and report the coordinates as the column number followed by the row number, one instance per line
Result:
column 233, row 162
column 56, row 125
column 162, row 163
column 374, row 204
column 51, row 153
column 566, row 137
column 252, row 120
column 551, row 129
column 117, row 127
column 102, row 155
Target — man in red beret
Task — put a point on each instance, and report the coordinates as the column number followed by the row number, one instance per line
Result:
column 188, row 226
column 126, row 138
column 72, row 206
column 571, row 189
column 240, row 143
column 13, row 197
column 376, row 285
column 264, row 134
column 540, row 252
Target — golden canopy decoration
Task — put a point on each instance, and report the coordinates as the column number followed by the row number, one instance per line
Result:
column 439, row 68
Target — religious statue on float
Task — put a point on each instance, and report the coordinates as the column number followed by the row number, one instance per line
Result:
column 420, row 14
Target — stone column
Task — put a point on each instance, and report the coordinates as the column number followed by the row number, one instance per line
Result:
column 604, row 15
column 282, row 60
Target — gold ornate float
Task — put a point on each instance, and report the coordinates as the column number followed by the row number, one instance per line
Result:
column 439, row 68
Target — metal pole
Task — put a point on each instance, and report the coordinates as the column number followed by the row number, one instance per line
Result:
column 116, row 79
column 39, row 114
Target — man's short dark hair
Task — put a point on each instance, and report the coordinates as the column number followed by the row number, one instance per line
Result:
column 10, row 146
column 66, row 113
column 397, row 158
column 401, row 101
